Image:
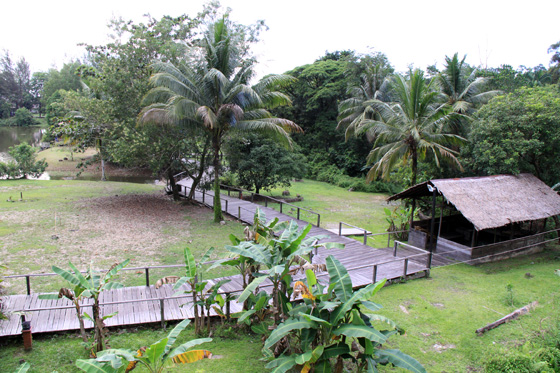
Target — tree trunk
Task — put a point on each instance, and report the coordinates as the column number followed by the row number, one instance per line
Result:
column 173, row 185
column 413, row 182
column 81, row 321
column 98, row 327
column 218, row 217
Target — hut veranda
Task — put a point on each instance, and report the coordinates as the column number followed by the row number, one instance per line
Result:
column 481, row 219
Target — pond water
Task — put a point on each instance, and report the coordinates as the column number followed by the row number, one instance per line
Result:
column 10, row 136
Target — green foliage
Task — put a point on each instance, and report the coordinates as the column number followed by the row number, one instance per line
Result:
column 516, row 133
column 334, row 324
column 89, row 286
column 67, row 79
column 411, row 129
column 268, row 253
column 154, row 358
column 261, row 163
column 23, row 117
column 204, row 300
column 213, row 95
column 24, row 164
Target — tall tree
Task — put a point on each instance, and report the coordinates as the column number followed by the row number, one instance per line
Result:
column 462, row 89
column 372, row 86
column 412, row 128
column 215, row 95
column 516, row 133
column 15, row 82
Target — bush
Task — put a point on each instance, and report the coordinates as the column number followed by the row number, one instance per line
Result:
column 25, row 163
column 513, row 364
column 23, row 117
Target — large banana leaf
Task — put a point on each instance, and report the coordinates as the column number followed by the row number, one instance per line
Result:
column 191, row 356
column 206, row 256
column 93, row 366
column 285, row 328
column 116, row 269
column 190, row 264
column 22, row 368
column 251, row 288
column 74, row 280
column 339, row 279
column 282, row 364
column 340, row 312
column 185, row 346
column 401, row 360
column 361, row 331
column 257, row 252
column 154, row 352
column 173, row 334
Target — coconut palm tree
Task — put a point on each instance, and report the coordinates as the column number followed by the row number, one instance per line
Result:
column 411, row 128
column 373, row 86
column 216, row 96
column 461, row 88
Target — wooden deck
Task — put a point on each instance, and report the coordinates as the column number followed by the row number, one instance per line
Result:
column 144, row 304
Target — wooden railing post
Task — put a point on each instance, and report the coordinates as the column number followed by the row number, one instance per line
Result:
column 226, row 204
column 28, row 282
column 147, row 276
column 340, row 228
column 405, row 267
column 395, row 251
column 389, row 239
column 365, row 237
column 203, row 195
column 266, row 202
column 228, row 306
column 239, row 212
column 318, row 220
column 298, row 213
column 375, row 273
column 281, row 207
column 162, row 312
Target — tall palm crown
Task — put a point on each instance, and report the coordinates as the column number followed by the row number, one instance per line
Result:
column 357, row 109
column 462, row 89
column 215, row 95
column 413, row 127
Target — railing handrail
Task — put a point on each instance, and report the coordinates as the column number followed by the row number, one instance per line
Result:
column 411, row 246
column 270, row 198
column 518, row 239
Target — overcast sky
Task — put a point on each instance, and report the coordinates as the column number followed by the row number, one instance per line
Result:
column 416, row 32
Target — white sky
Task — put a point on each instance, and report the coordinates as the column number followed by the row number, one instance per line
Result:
column 416, row 32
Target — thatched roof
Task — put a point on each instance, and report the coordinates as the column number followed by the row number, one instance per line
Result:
column 493, row 201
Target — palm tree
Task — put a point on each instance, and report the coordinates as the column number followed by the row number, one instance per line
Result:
column 462, row 89
column 373, row 86
column 411, row 128
column 216, row 95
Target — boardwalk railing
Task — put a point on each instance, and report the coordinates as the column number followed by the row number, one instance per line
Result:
column 268, row 199
column 367, row 234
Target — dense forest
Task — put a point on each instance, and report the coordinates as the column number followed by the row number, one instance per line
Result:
column 175, row 95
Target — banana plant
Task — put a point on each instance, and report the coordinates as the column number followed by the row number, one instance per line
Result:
column 90, row 285
column 156, row 358
column 192, row 278
column 333, row 324
column 277, row 250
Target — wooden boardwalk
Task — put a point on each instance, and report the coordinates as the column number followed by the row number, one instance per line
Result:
column 146, row 304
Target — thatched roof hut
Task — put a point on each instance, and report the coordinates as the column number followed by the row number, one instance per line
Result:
column 492, row 201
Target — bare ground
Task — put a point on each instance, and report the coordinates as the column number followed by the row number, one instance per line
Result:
column 102, row 230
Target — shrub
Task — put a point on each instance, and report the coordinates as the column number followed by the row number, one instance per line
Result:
column 23, row 117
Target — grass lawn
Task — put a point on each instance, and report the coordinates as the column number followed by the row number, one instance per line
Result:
column 85, row 222
column 440, row 314
column 99, row 223
column 335, row 204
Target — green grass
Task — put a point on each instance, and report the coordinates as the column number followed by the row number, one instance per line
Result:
column 236, row 351
column 335, row 204
column 445, row 310
column 53, row 225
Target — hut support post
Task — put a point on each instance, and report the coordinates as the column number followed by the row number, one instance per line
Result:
column 432, row 226
column 473, row 241
column 440, row 218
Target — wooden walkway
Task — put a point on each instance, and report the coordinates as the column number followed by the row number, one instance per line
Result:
column 145, row 304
